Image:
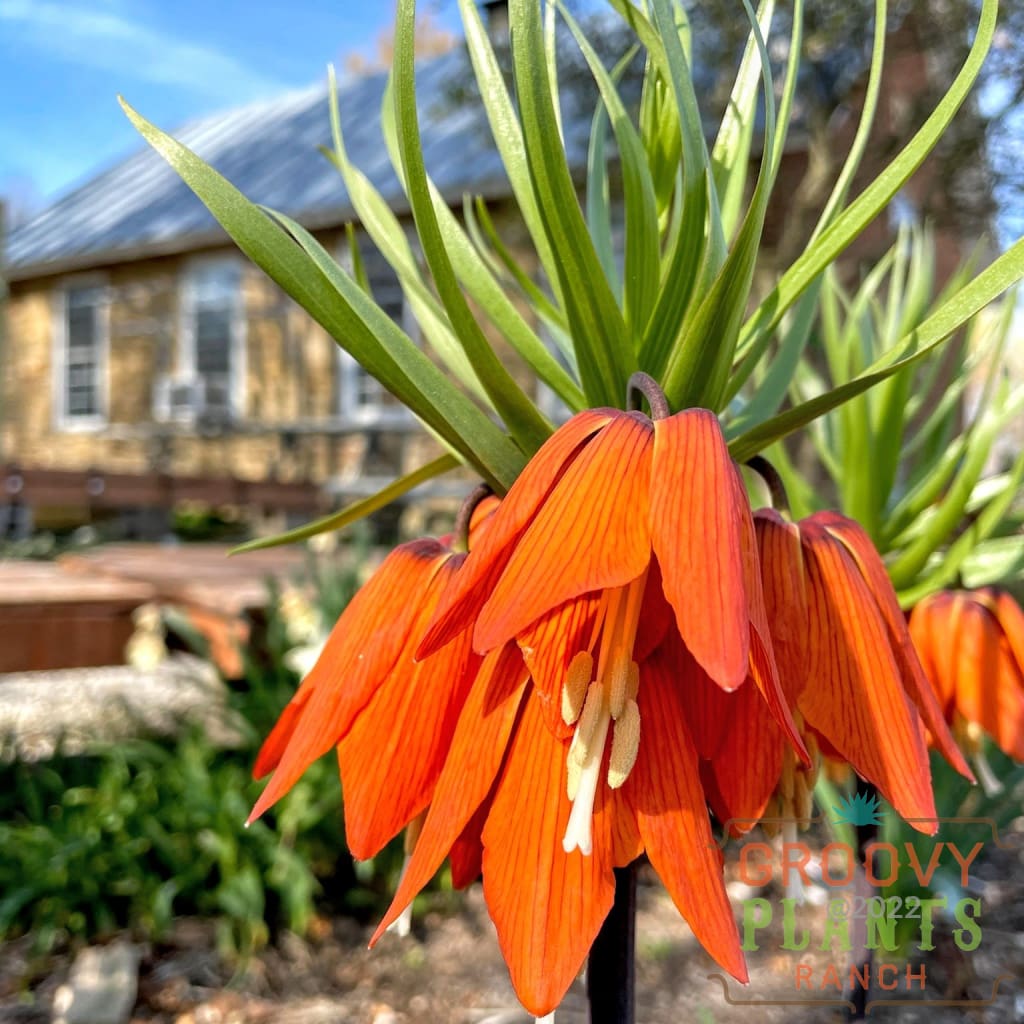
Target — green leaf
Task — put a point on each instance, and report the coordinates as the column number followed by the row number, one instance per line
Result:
column 472, row 273
column 698, row 249
column 1000, row 560
column 507, row 132
column 947, row 516
column 478, row 219
column 522, row 418
column 955, row 311
column 356, row 511
column 311, row 277
column 697, row 369
column 849, row 224
column 983, row 526
column 642, row 259
column 603, row 352
column 730, row 155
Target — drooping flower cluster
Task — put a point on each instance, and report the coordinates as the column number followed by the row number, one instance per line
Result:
column 971, row 644
column 624, row 642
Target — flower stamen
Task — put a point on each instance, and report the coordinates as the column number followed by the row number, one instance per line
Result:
column 609, row 704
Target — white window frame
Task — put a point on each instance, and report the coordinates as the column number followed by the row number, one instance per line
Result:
column 186, row 369
column 63, row 419
column 349, row 370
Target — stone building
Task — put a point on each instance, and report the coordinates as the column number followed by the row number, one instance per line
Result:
column 145, row 361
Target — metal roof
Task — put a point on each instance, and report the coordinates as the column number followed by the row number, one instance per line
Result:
column 140, row 207
column 269, row 150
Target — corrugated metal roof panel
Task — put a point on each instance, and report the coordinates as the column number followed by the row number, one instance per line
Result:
column 269, row 151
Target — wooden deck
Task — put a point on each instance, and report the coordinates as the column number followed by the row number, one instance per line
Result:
column 77, row 612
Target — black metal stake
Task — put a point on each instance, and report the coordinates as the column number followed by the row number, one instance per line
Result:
column 611, row 968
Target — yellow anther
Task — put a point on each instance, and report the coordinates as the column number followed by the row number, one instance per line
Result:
column 625, row 744
column 578, row 677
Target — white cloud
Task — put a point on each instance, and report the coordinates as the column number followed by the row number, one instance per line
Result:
column 107, row 40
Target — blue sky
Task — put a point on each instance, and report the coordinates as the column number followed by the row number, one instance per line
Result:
column 63, row 62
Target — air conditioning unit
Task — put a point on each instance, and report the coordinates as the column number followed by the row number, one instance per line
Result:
column 177, row 399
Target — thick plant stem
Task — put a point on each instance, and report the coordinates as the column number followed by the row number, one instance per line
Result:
column 862, row 957
column 611, row 975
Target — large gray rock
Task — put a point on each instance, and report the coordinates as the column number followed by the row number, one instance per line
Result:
column 72, row 710
column 102, row 987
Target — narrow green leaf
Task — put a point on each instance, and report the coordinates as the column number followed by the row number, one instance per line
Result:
column 696, row 372
column 603, row 352
column 955, row 311
column 730, row 155
column 357, row 510
column 522, row 418
column 481, row 286
column 344, row 310
column 949, row 513
column 642, row 258
column 507, row 133
column 849, row 224
column 479, row 216
column 983, row 526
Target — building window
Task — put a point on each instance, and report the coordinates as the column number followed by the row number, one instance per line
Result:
column 362, row 397
column 81, row 356
column 210, row 381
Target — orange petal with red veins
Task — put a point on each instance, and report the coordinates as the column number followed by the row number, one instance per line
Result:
column 748, row 764
column 785, row 596
column 763, row 669
column 467, row 853
column 280, row 736
column 549, row 645
column 1011, row 618
column 391, row 758
column 705, row 704
column 547, row 905
column 696, row 531
column 465, row 595
column 989, row 686
column 855, row 694
column 931, row 628
column 656, row 616
column 858, row 544
column 364, row 646
column 665, row 792
column 591, row 533
column 474, row 760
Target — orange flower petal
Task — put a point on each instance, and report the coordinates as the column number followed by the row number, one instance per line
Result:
column 932, row 628
column 549, row 645
column 855, row 694
column 467, row 853
column 762, row 667
column 705, row 704
column 989, row 686
column 392, row 756
column 746, row 770
column 785, row 596
column 665, row 792
column 696, row 533
column 858, row 544
column 547, row 905
column 363, row 648
column 1011, row 618
column 590, row 534
column 474, row 760
column 466, row 594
